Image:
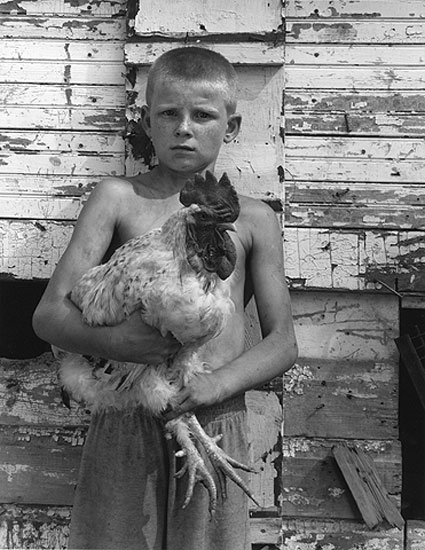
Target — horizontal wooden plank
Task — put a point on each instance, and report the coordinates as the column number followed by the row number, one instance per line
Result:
column 355, row 78
column 82, row 143
column 343, row 399
column 34, row 526
column 381, row 101
column 39, row 464
column 227, row 17
column 59, row 72
column 359, row 31
column 354, row 148
column 355, row 124
column 315, row 258
column 47, row 186
column 61, row 163
column 238, row 53
column 25, row 526
column 63, row 28
column 314, row 533
column 21, row 49
column 71, row 118
column 41, row 208
column 355, row 8
column 341, row 170
column 353, row 215
column 361, row 55
column 69, row 96
column 62, row 7
column 313, row 485
column 357, row 260
column 344, row 327
column 30, row 394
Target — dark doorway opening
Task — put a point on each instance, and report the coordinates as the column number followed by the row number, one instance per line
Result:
column 18, row 300
column 412, row 428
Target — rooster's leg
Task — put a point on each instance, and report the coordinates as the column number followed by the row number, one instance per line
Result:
column 223, row 464
column 189, row 428
column 194, row 464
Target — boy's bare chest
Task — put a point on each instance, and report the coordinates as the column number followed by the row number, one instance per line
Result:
column 139, row 216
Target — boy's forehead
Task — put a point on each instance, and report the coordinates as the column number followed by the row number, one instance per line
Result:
column 166, row 88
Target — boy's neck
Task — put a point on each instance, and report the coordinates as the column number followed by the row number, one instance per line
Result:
column 166, row 181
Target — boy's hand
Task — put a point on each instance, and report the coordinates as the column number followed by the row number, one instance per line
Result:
column 136, row 342
column 203, row 390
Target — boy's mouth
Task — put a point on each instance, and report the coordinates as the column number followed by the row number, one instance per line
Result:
column 182, row 148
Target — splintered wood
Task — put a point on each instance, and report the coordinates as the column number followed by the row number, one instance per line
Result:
column 368, row 491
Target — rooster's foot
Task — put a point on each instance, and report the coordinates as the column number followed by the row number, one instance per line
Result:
column 187, row 428
column 223, row 464
column 197, row 471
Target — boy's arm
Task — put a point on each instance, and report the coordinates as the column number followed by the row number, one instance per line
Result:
column 58, row 321
column 278, row 350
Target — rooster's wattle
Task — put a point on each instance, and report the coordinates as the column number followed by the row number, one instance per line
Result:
column 177, row 278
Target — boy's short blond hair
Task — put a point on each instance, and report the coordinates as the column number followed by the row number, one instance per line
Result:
column 195, row 64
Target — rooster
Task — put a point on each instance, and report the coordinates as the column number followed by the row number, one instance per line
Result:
column 175, row 277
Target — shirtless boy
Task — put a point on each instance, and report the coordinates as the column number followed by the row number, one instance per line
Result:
column 127, row 497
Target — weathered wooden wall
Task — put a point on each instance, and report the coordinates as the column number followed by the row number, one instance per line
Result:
column 354, row 111
column 354, row 167
column 353, row 172
column 62, row 119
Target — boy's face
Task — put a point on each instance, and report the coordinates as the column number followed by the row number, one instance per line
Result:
column 187, row 123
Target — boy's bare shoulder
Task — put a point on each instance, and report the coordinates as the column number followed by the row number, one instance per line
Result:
column 254, row 212
column 257, row 224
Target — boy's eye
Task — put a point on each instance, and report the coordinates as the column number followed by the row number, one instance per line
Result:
column 203, row 115
column 168, row 112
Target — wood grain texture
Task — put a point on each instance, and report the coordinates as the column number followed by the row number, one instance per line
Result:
column 354, row 117
column 313, row 485
column 341, row 399
column 320, row 534
column 190, row 16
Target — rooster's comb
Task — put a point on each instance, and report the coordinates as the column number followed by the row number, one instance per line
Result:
column 218, row 195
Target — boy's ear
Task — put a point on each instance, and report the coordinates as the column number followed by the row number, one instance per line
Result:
column 233, row 127
column 146, row 120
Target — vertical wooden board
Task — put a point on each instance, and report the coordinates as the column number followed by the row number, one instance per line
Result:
column 192, row 16
column 264, row 425
column 253, row 159
column 346, row 326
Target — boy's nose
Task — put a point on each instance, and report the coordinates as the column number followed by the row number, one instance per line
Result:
column 184, row 127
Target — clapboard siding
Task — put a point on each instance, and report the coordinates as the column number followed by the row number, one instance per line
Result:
column 354, row 157
column 62, row 121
